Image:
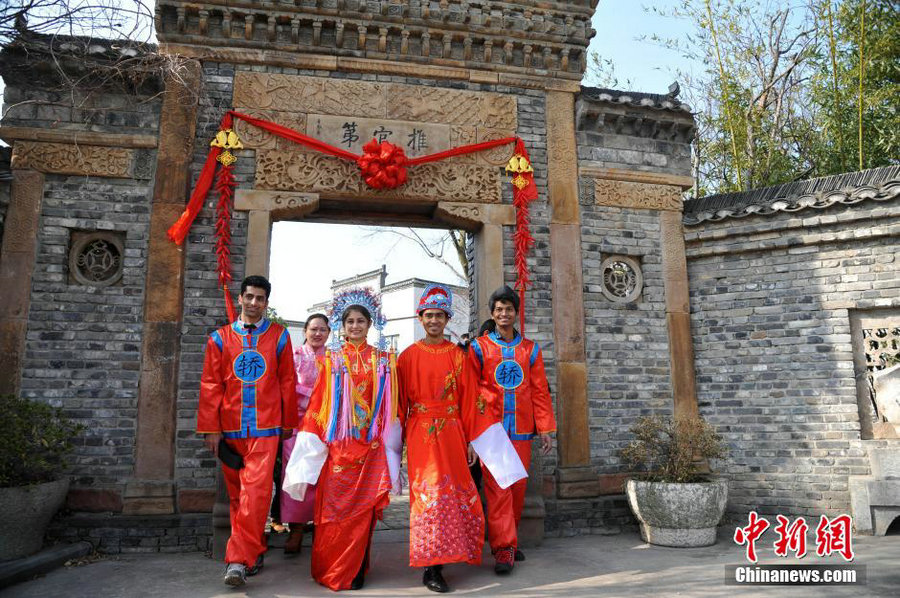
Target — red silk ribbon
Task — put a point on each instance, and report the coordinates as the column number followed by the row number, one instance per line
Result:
column 383, row 166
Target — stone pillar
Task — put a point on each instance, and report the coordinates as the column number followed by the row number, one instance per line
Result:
column 575, row 476
column 17, row 257
column 678, row 312
column 259, row 242
column 152, row 488
column 488, row 266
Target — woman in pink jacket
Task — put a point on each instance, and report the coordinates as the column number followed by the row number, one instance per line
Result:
column 300, row 513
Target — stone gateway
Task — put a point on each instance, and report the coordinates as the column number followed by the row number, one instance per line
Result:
column 749, row 309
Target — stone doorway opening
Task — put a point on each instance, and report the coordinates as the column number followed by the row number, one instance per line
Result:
column 483, row 224
column 312, row 258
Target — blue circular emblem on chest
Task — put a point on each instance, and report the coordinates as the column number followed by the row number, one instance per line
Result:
column 249, row 366
column 509, row 374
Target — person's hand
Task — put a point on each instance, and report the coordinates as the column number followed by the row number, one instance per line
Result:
column 546, row 444
column 212, row 442
column 471, row 456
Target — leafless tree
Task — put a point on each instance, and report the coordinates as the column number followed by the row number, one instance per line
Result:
column 433, row 248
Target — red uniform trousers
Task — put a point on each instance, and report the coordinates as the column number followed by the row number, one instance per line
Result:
column 504, row 507
column 249, row 497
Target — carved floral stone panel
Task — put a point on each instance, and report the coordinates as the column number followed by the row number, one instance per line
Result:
column 312, row 95
column 62, row 158
column 334, row 177
column 255, row 138
column 647, row 196
column 370, row 99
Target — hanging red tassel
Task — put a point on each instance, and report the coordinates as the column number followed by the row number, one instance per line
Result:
column 225, row 186
column 524, row 190
column 229, row 304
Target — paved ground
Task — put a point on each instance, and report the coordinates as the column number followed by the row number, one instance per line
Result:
column 587, row 566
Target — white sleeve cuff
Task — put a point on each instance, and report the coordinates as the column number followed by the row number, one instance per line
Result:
column 305, row 464
column 496, row 451
column 393, row 449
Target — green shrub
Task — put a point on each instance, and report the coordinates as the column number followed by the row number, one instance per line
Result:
column 34, row 441
column 672, row 450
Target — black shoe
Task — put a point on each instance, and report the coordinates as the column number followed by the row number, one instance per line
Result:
column 505, row 558
column 434, row 580
column 520, row 556
column 359, row 581
column 257, row 567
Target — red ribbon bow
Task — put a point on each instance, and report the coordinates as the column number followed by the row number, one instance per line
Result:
column 383, row 165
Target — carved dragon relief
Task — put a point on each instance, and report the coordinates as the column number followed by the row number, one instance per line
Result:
column 317, row 173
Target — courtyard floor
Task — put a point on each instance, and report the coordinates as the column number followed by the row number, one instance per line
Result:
column 583, row 566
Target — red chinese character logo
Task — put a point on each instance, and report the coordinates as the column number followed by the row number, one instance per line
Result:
column 791, row 537
column 748, row 535
column 835, row 536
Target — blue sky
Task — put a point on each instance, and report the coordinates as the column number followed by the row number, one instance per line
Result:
column 619, row 25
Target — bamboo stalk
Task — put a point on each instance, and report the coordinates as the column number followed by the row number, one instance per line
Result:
column 734, row 152
column 862, row 41
column 834, row 81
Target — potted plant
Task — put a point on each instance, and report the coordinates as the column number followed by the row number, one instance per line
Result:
column 675, row 499
column 35, row 441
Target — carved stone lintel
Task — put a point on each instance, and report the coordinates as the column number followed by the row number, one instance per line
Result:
column 644, row 196
column 471, row 216
column 282, row 204
column 86, row 160
column 316, row 173
column 367, row 99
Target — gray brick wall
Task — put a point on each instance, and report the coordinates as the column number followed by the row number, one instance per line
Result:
column 83, row 343
column 774, row 361
column 100, row 111
column 627, row 343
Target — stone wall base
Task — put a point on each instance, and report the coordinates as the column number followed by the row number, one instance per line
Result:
column 111, row 533
column 581, row 516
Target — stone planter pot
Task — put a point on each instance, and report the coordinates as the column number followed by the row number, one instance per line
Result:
column 27, row 511
column 679, row 515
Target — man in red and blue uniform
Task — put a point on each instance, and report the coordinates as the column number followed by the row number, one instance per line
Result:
column 513, row 384
column 248, row 398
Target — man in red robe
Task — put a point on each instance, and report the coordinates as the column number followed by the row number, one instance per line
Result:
column 248, row 398
column 512, row 380
column 439, row 407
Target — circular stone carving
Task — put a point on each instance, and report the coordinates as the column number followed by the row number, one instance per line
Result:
column 622, row 279
column 96, row 259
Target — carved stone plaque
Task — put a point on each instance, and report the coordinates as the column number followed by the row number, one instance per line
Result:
column 637, row 195
column 62, row 158
column 351, row 133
